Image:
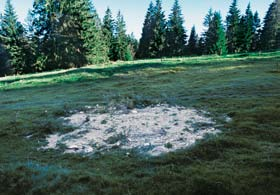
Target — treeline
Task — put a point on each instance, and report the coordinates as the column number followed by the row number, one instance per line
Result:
column 240, row 33
column 62, row 34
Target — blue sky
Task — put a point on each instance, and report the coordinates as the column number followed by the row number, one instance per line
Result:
column 134, row 10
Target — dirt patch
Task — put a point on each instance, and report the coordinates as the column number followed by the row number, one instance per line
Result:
column 152, row 130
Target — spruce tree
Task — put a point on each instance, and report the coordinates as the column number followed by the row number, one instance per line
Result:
column 12, row 36
column 94, row 42
column 39, row 28
column 176, row 33
column 257, row 33
column 65, row 46
column 4, row 66
column 232, row 21
column 201, row 45
column 147, row 34
column 193, row 43
column 108, row 31
column 208, row 18
column 246, row 31
column 121, row 47
column 72, row 35
column 220, row 47
column 52, row 44
column 271, row 29
column 3, row 56
column 278, row 39
column 202, row 41
column 215, row 36
column 132, row 46
column 207, row 41
column 249, row 35
column 241, row 35
column 159, row 31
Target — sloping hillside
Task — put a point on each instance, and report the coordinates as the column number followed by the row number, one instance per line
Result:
column 243, row 159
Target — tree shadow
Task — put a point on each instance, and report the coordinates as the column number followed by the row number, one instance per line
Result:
column 107, row 71
column 110, row 71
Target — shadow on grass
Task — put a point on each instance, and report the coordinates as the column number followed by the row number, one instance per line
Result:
column 110, row 71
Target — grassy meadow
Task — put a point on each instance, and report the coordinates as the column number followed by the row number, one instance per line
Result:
column 243, row 159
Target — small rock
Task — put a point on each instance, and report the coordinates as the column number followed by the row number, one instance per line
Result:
column 88, row 107
column 147, row 144
column 134, row 111
column 228, row 119
column 73, row 147
column 29, row 136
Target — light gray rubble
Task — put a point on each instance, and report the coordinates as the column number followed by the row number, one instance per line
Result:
column 152, row 130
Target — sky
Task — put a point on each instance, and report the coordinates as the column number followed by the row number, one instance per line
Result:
column 134, row 11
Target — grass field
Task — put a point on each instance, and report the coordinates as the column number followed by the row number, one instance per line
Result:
column 243, row 159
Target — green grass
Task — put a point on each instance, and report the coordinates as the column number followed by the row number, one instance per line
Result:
column 244, row 159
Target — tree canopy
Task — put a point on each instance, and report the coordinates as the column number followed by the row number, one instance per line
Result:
column 271, row 30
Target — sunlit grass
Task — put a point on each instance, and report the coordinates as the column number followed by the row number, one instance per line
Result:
column 93, row 72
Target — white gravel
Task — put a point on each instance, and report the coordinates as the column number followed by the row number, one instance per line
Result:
column 153, row 130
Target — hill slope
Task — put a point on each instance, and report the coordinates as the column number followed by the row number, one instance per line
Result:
column 244, row 159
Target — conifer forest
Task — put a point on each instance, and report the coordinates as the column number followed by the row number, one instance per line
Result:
column 64, row 34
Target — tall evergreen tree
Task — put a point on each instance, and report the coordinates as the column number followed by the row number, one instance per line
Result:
column 246, row 31
column 72, row 34
column 147, row 34
column 4, row 66
column 39, row 29
column 39, row 26
column 241, row 35
column 12, row 35
column 193, row 43
column 64, row 46
column 215, row 36
column 202, row 47
column 176, row 33
column 3, row 56
column 257, row 33
column 249, row 35
column 108, row 31
column 159, row 31
column 208, row 18
column 121, row 46
column 94, row 42
column 271, row 30
column 232, row 21
column 133, row 46
column 68, row 34
column 48, row 33
column 278, row 40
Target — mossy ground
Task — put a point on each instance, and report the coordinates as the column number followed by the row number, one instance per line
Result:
column 244, row 159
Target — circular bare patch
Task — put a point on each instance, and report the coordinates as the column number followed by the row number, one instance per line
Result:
column 153, row 130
